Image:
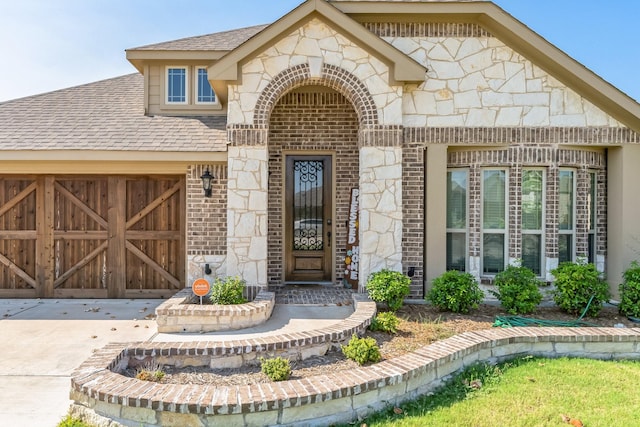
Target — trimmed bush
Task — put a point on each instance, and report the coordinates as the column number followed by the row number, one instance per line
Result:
column 455, row 291
column 277, row 369
column 385, row 322
column 227, row 291
column 517, row 289
column 630, row 291
column 362, row 350
column 389, row 287
column 576, row 283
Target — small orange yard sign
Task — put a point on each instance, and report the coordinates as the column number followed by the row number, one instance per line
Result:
column 201, row 287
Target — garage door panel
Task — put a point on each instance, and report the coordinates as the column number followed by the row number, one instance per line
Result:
column 152, row 265
column 81, row 204
column 17, row 236
column 17, row 266
column 154, row 205
column 80, row 264
column 91, row 236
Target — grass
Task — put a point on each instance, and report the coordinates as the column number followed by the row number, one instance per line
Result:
column 70, row 421
column 527, row 392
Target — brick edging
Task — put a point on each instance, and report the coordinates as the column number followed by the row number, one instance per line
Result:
column 348, row 394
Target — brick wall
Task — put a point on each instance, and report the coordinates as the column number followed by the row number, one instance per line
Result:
column 207, row 216
column 323, row 121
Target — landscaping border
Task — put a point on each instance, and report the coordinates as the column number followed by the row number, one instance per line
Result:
column 108, row 399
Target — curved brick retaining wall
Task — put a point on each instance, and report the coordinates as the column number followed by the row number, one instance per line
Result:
column 102, row 396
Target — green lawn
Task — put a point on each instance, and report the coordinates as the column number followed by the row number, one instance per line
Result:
column 528, row 392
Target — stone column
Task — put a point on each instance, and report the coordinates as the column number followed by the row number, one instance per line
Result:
column 380, row 210
column 247, row 192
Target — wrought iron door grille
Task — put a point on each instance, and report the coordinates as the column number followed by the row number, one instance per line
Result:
column 308, row 204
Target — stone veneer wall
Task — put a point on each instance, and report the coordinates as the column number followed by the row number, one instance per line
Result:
column 322, row 122
column 206, row 222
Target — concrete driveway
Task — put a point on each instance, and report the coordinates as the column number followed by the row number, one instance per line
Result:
column 43, row 341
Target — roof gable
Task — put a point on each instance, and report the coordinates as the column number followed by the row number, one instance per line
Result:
column 402, row 68
column 208, row 47
column 514, row 34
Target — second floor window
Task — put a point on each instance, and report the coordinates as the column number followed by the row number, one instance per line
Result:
column 176, row 85
column 204, row 91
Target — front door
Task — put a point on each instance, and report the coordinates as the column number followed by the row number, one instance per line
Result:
column 308, row 216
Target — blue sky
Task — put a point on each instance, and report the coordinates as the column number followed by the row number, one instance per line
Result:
column 52, row 44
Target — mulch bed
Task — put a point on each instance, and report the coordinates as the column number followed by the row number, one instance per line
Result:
column 420, row 325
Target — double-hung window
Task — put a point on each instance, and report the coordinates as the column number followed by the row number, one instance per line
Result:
column 204, row 91
column 457, row 190
column 591, row 229
column 177, row 85
column 494, row 220
column 532, row 202
column 566, row 215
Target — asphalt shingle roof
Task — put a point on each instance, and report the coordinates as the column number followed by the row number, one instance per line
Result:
column 226, row 40
column 105, row 115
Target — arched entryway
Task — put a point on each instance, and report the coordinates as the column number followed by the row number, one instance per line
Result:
column 314, row 125
column 313, row 165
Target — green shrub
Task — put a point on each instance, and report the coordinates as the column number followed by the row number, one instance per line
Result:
column 518, row 289
column 362, row 350
column 455, row 291
column 227, row 291
column 390, row 287
column 70, row 421
column 277, row 369
column 576, row 283
column 386, row 322
column 630, row 291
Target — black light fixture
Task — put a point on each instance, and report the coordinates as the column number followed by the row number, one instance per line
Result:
column 207, row 179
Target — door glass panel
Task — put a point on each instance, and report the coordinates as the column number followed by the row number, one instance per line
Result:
column 308, row 204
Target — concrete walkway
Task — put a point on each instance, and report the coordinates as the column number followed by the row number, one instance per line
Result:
column 43, row 341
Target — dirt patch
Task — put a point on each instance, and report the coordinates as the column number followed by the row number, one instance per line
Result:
column 420, row 325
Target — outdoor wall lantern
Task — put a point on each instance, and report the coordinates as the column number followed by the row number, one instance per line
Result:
column 207, row 179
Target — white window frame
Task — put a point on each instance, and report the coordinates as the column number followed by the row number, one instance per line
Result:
column 186, row 84
column 571, row 232
column 542, row 231
column 197, row 88
column 504, row 231
column 465, row 230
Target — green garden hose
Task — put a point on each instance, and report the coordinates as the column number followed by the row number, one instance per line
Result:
column 513, row 321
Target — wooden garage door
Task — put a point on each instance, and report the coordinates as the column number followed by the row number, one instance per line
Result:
column 91, row 237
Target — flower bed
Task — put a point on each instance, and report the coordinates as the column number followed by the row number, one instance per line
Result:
column 183, row 313
column 106, row 398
